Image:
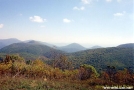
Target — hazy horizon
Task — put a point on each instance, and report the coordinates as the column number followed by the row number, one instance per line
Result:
column 86, row 45
column 105, row 23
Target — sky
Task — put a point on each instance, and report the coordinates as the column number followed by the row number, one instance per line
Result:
column 87, row 22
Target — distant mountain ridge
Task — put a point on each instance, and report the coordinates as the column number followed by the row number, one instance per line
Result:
column 30, row 48
column 6, row 42
column 95, row 47
column 128, row 45
column 120, row 56
column 39, row 42
column 74, row 47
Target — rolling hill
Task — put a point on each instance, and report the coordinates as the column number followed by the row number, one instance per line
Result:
column 30, row 49
column 128, row 45
column 6, row 42
column 121, row 56
column 103, row 57
column 74, row 47
column 39, row 42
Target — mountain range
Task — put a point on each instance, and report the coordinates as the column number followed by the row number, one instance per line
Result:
column 73, row 47
column 121, row 56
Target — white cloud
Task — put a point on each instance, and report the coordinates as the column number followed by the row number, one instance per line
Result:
column 65, row 20
column 76, row 8
column 120, row 14
column 86, row 1
column 82, row 8
column 1, row 25
column 37, row 19
column 108, row 0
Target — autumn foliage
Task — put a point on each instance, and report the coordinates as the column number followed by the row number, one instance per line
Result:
column 15, row 66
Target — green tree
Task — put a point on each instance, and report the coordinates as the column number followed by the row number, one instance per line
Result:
column 87, row 71
column 62, row 63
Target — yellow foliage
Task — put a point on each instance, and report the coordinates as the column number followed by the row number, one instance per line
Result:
column 19, row 65
column 38, row 62
column 4, row 67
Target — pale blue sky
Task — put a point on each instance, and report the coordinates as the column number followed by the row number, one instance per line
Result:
column 87, row 22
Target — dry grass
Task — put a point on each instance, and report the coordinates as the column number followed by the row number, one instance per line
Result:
column 21, row 83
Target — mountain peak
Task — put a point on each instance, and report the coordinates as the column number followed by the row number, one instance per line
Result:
column 73, row 47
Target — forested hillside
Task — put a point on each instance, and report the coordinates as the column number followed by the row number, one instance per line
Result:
column 101, row 58
column 120, row 57
column 32, row 63
column 30, row 50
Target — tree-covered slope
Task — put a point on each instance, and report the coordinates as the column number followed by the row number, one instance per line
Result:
column 119, row 57
column 29, row 49
column 103, row 57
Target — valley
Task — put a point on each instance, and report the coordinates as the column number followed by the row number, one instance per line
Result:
column 32, row 62
column 121, row 56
